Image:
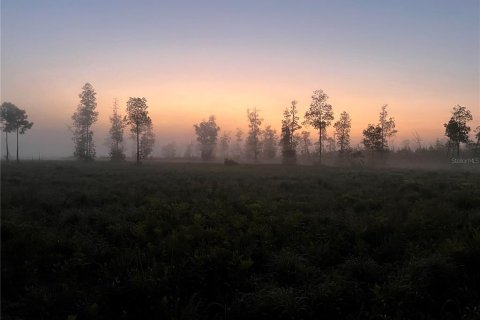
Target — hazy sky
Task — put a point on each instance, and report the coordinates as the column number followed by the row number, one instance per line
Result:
column 190, row 59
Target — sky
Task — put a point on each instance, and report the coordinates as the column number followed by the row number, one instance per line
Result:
column 193, row 59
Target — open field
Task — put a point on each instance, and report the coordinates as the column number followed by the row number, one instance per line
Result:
column 198, row 241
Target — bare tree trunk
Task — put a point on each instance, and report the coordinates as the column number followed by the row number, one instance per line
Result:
column 17, row 144
column 138, row 144
column 87, row 153
column 83, row 154
column 6, row 143
column 320, row 147
column 383, row 139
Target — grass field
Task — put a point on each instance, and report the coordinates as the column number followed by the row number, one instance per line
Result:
column 207, row 241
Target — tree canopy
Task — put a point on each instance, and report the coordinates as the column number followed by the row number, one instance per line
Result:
column 457, row 129
column 319, row 116
column 342, row 131
column 15, row 120
column 207, row 133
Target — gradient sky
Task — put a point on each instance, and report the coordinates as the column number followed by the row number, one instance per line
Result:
column 191, row 59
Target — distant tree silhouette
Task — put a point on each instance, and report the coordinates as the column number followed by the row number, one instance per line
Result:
column 254, row 143
column 405, row 148
column 8, row 115
column 237, row 146
column 116, row 134
column 319, row 116
column 188, row 154
column 342, row 132
column 269, row 143
column 331, row 144
column 387, row 125
column 225, row 140
column 439, row 147
column 169, row 150
column 305, row 145
column 14, row 119
column 457, row 129
column 83, row 119
column 207, row 134
column 290, row 124
column 418, row 140
column 147, row 141
column 372, row 138
column 139, row 121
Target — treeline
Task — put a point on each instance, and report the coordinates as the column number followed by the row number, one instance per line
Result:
column 293, row 144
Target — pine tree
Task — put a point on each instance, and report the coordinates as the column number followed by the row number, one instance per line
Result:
column 83, row 119
column 116, row 134
column 290, row 124
column 253, row 144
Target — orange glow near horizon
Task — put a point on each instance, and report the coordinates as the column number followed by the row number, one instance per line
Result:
column 200, row 58
column 176, row 107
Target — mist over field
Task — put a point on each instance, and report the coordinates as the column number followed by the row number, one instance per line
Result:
column 240, row 160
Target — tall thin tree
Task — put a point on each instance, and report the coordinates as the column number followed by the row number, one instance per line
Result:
column 14, row 119
column 290, row 124
column 116, row 134
column 22, row 125
column 387, row 125
column 253, row 143
column 83, row 119
column 138, row 119
column 342, row 132
column 319, row 116
column 8, row 114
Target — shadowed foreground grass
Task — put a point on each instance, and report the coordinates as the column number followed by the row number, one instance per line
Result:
column 199, row 241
